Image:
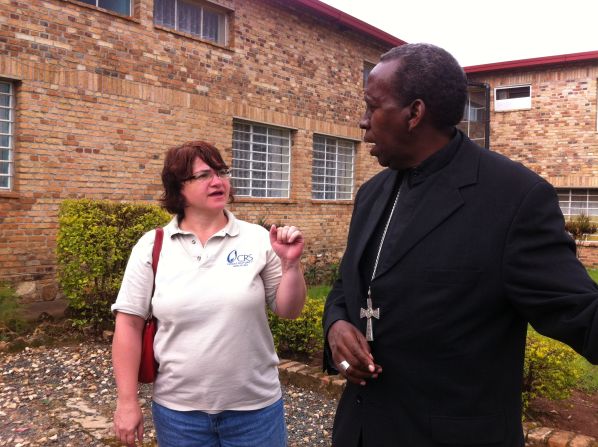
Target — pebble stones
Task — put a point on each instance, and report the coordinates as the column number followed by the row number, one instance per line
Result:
column 65, row 397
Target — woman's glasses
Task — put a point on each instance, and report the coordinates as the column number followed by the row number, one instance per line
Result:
column 208, row 174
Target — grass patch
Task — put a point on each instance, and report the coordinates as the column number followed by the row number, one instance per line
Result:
column 588, row 381
column 593, row 274
column 318, row 293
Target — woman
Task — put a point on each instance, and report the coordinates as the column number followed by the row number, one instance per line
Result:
column 217, row 383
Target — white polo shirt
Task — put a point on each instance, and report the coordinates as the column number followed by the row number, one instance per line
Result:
column 213, row 343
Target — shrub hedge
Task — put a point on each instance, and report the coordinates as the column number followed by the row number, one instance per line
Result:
column 301, row 337
column 94, row 242
column 550, row 369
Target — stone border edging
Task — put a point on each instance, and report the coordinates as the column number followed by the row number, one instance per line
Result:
column 313, row 378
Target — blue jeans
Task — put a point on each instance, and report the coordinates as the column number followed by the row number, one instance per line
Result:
column 255, row 428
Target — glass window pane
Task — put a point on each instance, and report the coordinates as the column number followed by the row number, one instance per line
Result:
column 164, row 13
column 211, row 22
column 189, row 17
column 332, row 168
column 261, row 156
column 5, row 138
column 120, row 6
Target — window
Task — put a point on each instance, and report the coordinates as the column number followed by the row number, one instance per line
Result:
column 475, row 117
column 7, row 109
column 574, row 202
column 367, row 68
column 332, row 169
column 193, row 17
column 515, row 97
column 120, row 6
column 261, row 160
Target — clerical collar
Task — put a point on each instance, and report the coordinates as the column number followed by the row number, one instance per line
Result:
column 434, row 162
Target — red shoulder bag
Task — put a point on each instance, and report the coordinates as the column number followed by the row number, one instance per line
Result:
column 148, row 367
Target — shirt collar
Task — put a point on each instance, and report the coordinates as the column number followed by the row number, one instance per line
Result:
column 231, row 228
column 435, row 162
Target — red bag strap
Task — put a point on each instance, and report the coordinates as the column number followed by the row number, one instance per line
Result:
column 157, row 248
column 156, row 254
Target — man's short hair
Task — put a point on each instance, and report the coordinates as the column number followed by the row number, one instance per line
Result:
column 429, row 73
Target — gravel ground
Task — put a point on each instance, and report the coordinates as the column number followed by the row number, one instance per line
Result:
column 65, row 396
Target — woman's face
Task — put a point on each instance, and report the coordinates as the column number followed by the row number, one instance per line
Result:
column 208, row 191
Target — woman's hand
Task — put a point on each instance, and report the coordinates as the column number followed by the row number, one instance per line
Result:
column 287, row 242
column 128, row 423
column 126, row 352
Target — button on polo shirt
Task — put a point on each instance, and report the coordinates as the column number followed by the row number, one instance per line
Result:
column 213, row 342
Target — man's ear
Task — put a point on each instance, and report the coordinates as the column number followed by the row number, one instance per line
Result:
column 417, row 111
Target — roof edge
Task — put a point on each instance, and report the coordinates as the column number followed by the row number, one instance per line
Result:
column 533, row 62
column 350, row 21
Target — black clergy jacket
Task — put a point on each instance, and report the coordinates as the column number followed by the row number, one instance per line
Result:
column 483, row 253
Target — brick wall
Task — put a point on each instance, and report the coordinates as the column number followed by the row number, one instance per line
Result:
column 557, row 137
column 100, row 97
column 588, row 254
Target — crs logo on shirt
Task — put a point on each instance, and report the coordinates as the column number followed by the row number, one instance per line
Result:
column 238, row 260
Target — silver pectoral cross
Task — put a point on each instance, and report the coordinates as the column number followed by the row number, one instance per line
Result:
column 369, row 313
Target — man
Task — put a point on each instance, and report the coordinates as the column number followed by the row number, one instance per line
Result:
column 452, row 250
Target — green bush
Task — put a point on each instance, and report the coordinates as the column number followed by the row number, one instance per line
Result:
column 321, row 271
column 94, row 242
column 581, row 226
column 550, row 369
column 302, row 337
column 11, row 312
column 319, row 292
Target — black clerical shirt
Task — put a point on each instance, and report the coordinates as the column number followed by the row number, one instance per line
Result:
column 414, row 183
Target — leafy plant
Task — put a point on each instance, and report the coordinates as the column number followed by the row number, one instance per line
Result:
column 588, row 381
column 263, row 222
column 581, row 227
column 94, row 241
column 321, row 271
column 303, row 336
column 319, row 292
column 549, row 370
column 11, row 312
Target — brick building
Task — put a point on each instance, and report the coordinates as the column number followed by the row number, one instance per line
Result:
column 543, row 113
column 92, row 92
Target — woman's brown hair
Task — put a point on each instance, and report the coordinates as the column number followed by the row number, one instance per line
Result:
column 178, row 167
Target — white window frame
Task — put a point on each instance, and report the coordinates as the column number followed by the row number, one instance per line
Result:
column 511, row 104
column 261, row 160
column 7, row 137
column 587, row 205
column 203, row 6
column 96, row 3
column 328, row 180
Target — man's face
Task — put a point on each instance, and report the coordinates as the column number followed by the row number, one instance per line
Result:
column 385, row 121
